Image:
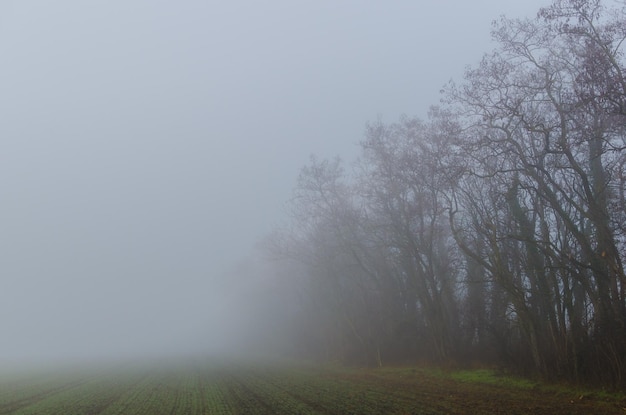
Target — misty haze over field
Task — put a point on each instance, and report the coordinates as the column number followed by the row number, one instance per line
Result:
column 148, row 146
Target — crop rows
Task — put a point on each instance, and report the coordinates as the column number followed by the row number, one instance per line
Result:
column 259, row 390
column 85, row 397
column 255, row 391
column 327, row 394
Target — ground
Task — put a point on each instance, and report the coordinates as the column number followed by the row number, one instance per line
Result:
column 204, row 388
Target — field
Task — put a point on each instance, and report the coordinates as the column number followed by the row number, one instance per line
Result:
column 288, row 389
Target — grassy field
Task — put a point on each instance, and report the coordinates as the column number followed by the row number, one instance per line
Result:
column 289, row 389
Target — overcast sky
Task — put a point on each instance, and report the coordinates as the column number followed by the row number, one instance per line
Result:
column 147, row 145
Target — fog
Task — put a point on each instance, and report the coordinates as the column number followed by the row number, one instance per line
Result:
column 147, row 146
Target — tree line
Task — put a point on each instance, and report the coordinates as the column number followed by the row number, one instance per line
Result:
column 494, row 231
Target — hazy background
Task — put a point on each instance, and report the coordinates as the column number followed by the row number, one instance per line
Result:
column 147, row 145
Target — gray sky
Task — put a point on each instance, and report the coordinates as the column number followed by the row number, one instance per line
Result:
column 146, row 145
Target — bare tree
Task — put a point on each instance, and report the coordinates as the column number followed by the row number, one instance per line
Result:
column 403, row 187
column 545, row 128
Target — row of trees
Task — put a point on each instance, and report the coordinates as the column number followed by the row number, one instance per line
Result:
column 495, row 231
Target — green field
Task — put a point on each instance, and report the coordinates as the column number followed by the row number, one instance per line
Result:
column 287, row 389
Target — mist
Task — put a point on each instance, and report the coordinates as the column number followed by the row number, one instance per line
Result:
column 148, row 146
